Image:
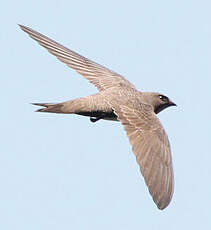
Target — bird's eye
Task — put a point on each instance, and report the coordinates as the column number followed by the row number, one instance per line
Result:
column 163, row 98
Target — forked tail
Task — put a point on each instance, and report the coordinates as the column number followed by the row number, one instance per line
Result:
column 50, row 107
column 73, row 106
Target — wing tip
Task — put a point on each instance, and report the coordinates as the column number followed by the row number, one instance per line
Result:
column 22, row 27
column 163, row 202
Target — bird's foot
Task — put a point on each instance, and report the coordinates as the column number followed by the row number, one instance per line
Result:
column 94, row 119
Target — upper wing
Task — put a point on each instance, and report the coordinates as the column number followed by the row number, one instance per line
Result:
column 152, row 149
column 99, row 75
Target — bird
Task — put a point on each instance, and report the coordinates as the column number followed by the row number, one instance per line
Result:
column 119, row 100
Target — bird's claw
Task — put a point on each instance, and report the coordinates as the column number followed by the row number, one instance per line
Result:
column 94, row 119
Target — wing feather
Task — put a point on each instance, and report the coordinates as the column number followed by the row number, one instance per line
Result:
column 152, row 149
column 100, row 76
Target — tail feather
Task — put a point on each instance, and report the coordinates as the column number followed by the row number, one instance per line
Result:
column 79, row 105
column 49, row 107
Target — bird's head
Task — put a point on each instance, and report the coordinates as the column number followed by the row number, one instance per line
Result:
column 158, row 101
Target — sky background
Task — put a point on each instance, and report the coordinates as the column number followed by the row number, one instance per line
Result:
column 64, row 172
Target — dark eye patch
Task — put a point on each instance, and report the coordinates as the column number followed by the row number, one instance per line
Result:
column 164, row 98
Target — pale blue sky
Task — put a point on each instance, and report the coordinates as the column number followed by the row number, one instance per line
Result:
column 64, row 172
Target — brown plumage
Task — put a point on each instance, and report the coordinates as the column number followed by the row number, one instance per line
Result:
column 119, row 100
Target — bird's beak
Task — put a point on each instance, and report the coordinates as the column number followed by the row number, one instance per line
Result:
column 171, row 103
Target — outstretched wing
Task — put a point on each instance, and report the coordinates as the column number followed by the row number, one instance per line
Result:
column 152, row 149
column 98, row 75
